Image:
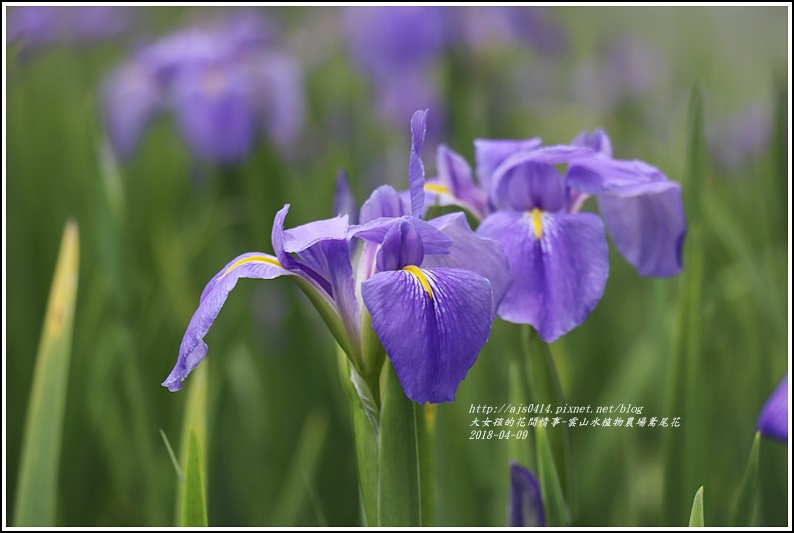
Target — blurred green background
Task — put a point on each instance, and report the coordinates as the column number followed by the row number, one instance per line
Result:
column 278, row 439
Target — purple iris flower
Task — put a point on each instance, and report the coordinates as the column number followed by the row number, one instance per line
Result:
column 397, row 48
column 223, row 82
column 37, row 27
column 525, row 507
column 773, row 420
column 429, row 289
column 558, row 255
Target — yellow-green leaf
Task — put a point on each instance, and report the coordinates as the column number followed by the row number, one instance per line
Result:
column 38, row 479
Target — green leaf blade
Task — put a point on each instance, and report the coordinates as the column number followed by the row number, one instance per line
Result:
column 194, row 502
column 696, row 516
column 38, row 481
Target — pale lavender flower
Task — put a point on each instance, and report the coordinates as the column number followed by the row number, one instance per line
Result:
column 774, row 418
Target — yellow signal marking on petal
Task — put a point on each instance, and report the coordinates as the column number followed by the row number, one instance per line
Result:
column 537, row 222
column 437, row 188
column 418, row 274
column 253, row 259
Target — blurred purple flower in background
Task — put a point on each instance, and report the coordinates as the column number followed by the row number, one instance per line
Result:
column 739, row 139
column 627, row 69
column 399, row 49
column 37, row 27
column 774, row 418
column 224, row 82
column 525, row 505
column 558, row 255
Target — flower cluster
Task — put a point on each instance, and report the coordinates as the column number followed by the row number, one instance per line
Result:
column 223, row 81
column 558, row 255
column 430, row 289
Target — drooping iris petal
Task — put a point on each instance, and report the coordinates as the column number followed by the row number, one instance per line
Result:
column 384, row 202
column 416, row 169
column 130, row 96
column 648, row 225
column 490, row 153
column 774, row 418
column 559, row 264
column 470, row 251
column 642, row 209
column 433, row 239
column 525, row 504
column 344, row 201
column 528, row 186
column 432, row 340
column 402, row 246
column 455, row 184
column 212, row 109
column 193, row 348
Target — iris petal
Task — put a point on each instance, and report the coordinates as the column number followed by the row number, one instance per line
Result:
column 774, row 418
column 432, row 341
column 642, row 210
column 473, row 252
column 416, row 170
column 402, row 246
column 490, row 153
column 193, row 348
column 557, row 278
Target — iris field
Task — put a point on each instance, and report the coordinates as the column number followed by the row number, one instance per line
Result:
column 147, row 147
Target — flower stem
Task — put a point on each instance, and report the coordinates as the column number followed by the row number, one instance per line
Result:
column 399, row 502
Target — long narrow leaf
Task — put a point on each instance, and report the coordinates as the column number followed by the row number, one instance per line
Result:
column 41, row 449
column 696, row 516
column 549, row 480
column 194, row 501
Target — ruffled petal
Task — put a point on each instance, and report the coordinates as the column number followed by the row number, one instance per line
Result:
column 470, row 251
column 559, row 276
column 193, row 348
column 432, row 340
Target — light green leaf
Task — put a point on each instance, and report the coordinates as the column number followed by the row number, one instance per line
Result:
column 194, row 501
column 696, row 516
column 549, row 481
column 745, row 504
column 41, row 448
column 398, row 483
